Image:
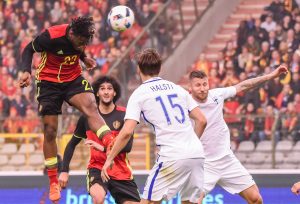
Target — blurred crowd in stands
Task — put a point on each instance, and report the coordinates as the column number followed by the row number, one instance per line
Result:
column 22, row 20
column 258, row 47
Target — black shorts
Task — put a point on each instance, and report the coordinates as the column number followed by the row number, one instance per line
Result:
column 51, row 95
column 121, row 190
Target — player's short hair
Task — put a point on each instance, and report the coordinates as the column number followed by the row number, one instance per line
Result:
column 83, row 26
column 197, row 74
column 107, row 79
column 149, row 61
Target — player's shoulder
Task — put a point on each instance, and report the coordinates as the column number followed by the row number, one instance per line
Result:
column 57, row 31
column 217, row 91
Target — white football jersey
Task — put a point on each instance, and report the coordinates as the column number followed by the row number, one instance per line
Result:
column 166, row 107
column 216, row 136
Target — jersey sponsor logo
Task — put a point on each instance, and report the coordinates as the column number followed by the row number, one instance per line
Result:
column 60, row 52
column 116, row 124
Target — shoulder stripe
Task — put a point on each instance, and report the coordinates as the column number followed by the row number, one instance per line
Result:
column 78, row 137
column 33, row 46
column 57, row 31
column 120, row 108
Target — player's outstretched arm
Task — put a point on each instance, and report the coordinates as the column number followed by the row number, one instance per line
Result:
column 254, row 82
column 94, row 145
column 68, row 154
column 199, row 119
column 121, row 141
column 296, row 188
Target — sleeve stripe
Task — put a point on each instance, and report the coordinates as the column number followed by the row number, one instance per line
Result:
column 33, row 46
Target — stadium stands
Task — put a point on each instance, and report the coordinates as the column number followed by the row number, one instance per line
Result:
column 247, row 45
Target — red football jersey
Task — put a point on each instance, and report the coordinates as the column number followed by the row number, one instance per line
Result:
column 121, row 170
column 59, row 60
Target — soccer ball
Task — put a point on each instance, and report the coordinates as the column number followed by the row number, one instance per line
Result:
column 120, row 18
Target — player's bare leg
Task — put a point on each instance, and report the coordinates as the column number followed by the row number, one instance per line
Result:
column 86, row 103
column 252, row 195
column 50, row 154
column 97, row 193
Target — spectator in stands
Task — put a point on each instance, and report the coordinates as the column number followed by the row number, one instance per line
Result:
column 287, row 23
column 252, row 45
column 55, row 13
column 273, row 41
column 244, row 59
column 230, row 78
column 289, row 124
column 297, row 102
column 263, row 59
column 291, row 41
column 259, row 33
column 284, row 97
column 145, row 15
column 266, row 133
column 20, row 103
column 275, row 59
column 164, row 40
column 269, row 24
column 295, row 85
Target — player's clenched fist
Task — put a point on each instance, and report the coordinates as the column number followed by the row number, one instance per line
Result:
column 25, row 80
column 296, row 188
column 63, row 179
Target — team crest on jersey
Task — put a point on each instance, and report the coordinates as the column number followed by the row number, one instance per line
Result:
column 116, row 124
column 215, row 99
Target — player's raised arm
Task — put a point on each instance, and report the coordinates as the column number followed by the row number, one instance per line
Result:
column 39, row 44
column 200, row 121
column 121, row 141
column 254, row 82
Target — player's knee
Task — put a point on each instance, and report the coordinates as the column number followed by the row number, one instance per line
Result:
column 91, row 108
column 255, row 199
column 50, row 132
column 98, row 199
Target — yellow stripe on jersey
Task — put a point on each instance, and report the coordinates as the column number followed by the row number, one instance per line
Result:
column 41, row 65
column 128, row 166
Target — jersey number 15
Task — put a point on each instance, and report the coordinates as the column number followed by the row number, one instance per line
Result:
column 173, row 106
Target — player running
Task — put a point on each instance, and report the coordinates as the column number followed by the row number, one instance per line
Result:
column 58, row 79
column 221, row 166
column 167, row 107
column 122, row 186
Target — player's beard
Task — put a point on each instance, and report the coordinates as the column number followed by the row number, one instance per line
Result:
column 202, row 97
